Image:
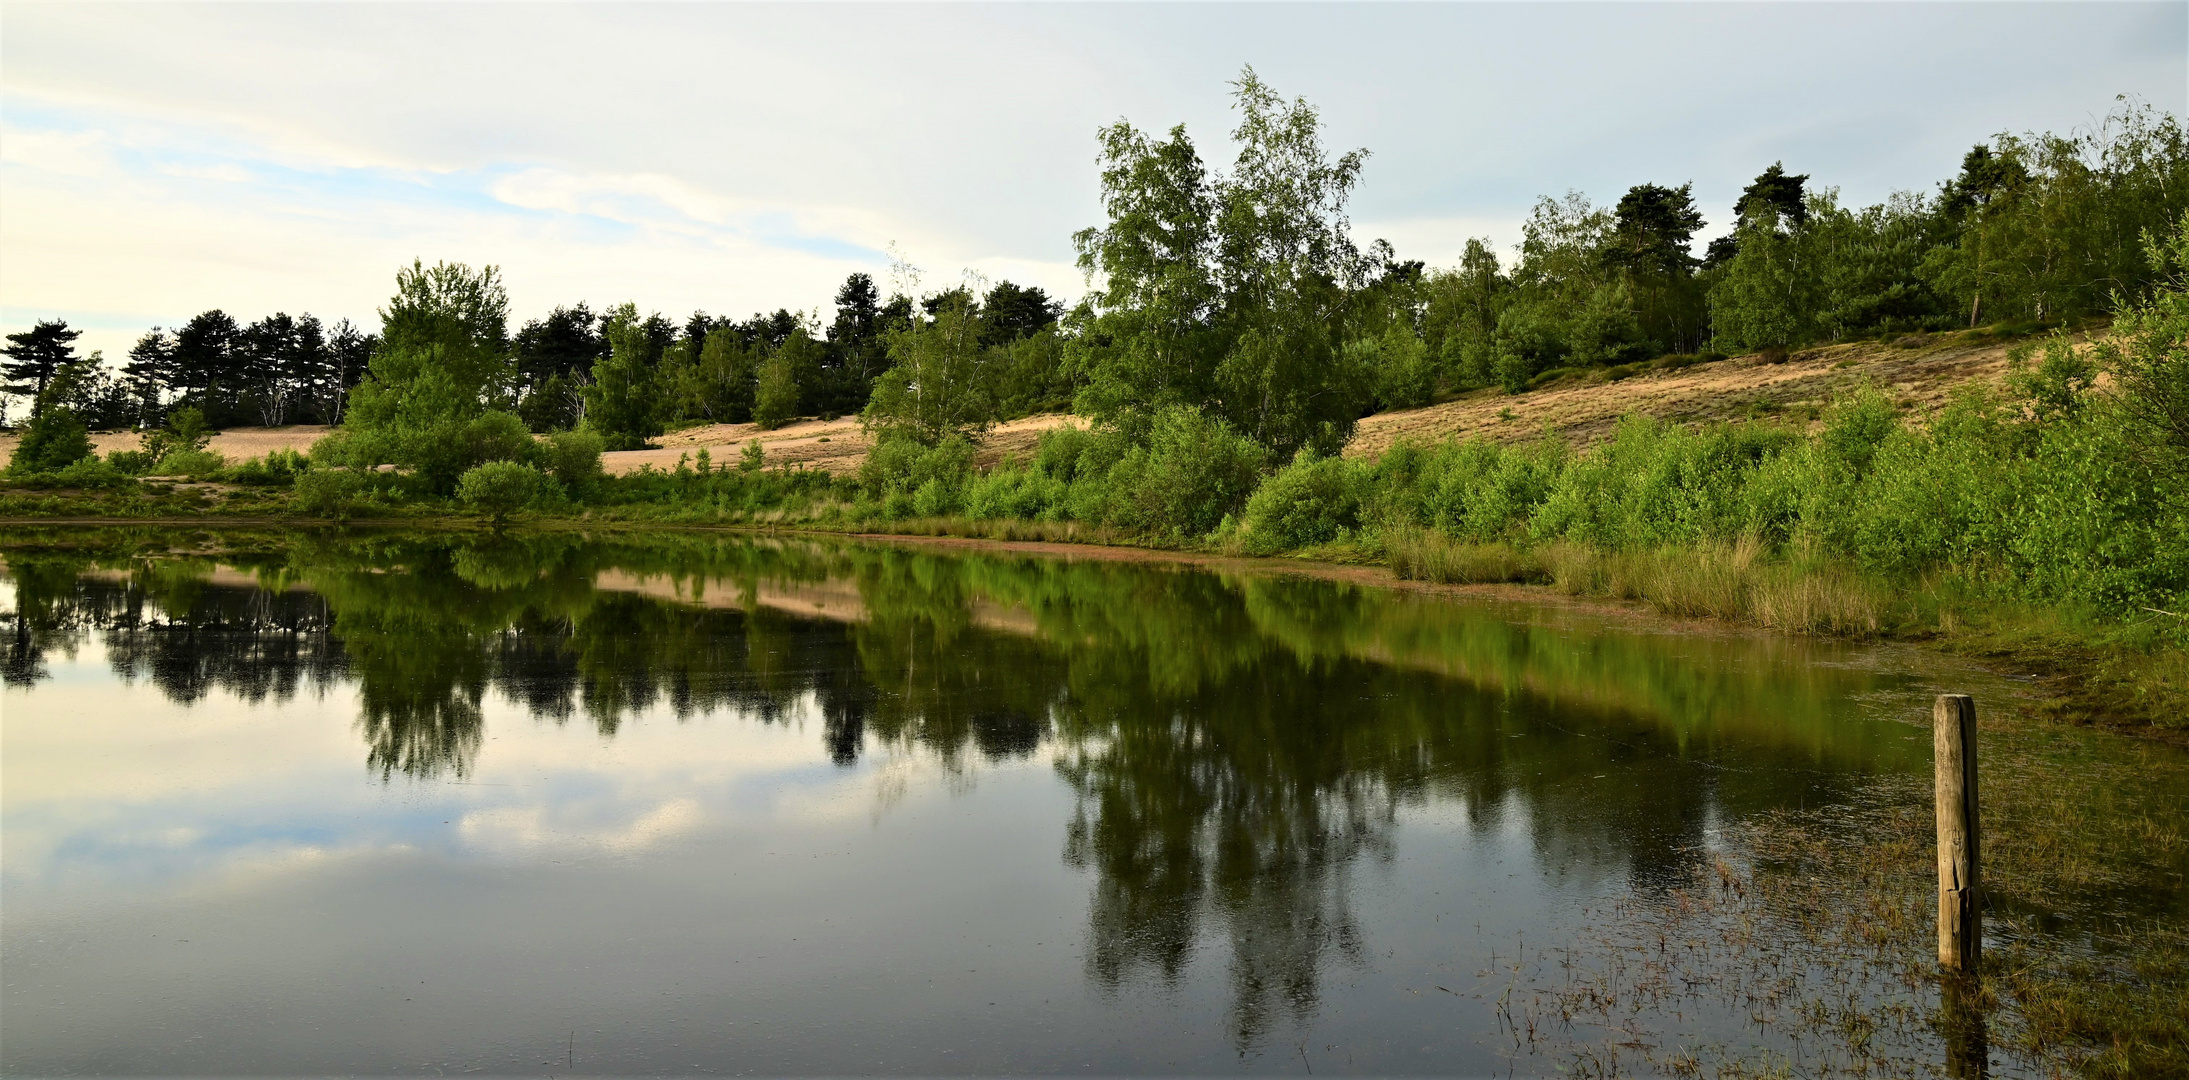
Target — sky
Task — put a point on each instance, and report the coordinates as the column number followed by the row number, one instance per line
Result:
column 160, row 160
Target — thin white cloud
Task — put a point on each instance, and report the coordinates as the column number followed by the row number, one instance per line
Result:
column 160, row 160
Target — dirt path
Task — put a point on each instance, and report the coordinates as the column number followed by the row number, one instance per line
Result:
column 1585, row 408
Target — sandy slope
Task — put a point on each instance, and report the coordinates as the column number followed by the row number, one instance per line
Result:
column 235, row 443
column 1583, row 408
column 835, row 445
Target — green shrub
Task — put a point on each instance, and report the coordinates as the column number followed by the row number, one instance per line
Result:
column 900, row 465
column 279, row 468
column 1011, row 491
column 573, row 459
column 190, row 463
column 186, row 429
column 1310, row 501
column 1194, row 471
column 53, row 440
column 133, row 462
column 92, row 473
column 331, row 492
column 500, row 488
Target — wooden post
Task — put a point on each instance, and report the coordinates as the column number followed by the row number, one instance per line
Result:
column 1960, row 865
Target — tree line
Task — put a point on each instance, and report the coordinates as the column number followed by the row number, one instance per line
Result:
column 1236, row 295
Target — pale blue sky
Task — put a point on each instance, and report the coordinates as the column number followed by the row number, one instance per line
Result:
column 157, row 160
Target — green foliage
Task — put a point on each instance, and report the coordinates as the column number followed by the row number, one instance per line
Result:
column 1225, row 293
column 1194, row 471
column 622, row 404
column 1404, row 374
column 500, row 488
column 752, row 457
column 196, row 464
column 939, row 384
column 2148, row 353
column 908, row 477
column 328, row 492
column 36, row 355
column 279, row 468
column 186, row 429
column 573, row 459
column 53, row 440
column 783, row 378
column 1311, row 501
column 429, row 401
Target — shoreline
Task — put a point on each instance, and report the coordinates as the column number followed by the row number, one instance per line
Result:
column 2060, row 686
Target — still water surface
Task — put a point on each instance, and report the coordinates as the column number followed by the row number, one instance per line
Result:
column 549, row 805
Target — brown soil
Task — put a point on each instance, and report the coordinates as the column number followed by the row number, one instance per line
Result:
column 1585, row 408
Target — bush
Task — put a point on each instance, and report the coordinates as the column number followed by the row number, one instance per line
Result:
column 573, row 459
column 133, row 462
column 1195, row 471
column 190, row 463
column 900, row 465
column 186, row 429
column 279, row 468
column 53, row 440
column 502, row 487
column 328, row 491
column 1310, row 501
column 92, row 473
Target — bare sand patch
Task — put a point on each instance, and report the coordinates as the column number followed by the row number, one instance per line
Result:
column 835, row 446
column 1585, row 409
column 235, row 444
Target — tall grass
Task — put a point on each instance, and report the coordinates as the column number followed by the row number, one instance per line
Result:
column 1738, row 581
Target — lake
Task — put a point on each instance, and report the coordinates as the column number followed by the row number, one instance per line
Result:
column 382, row 803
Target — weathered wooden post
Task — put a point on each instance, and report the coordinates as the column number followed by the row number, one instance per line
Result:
column 1960, row 864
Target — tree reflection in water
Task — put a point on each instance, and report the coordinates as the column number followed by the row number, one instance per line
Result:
column 1238, row 745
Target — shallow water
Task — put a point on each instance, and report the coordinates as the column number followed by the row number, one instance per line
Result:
column 369, row 804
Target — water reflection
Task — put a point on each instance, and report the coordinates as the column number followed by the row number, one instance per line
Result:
column 1239, row 746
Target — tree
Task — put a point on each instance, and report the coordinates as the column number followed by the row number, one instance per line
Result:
column 458, row 315
column 1459, row 326
column 1009, row 312
column 1153, row 291
column 429, row 400
column 53, row 440
column 936, row 386
column 349, row 356
column 150, row 370
column 1649, row 244
column 621, row 403
column 205, row 362
column 1232, row 292
column 554, row 357
column 783, row 377
column 36, row 354
column 1766, row 297
column 855, row 337
column 1775, row 193
column 727, row 370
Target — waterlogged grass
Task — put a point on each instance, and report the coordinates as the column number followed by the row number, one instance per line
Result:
column 2099, row 670
column 1819, row 926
